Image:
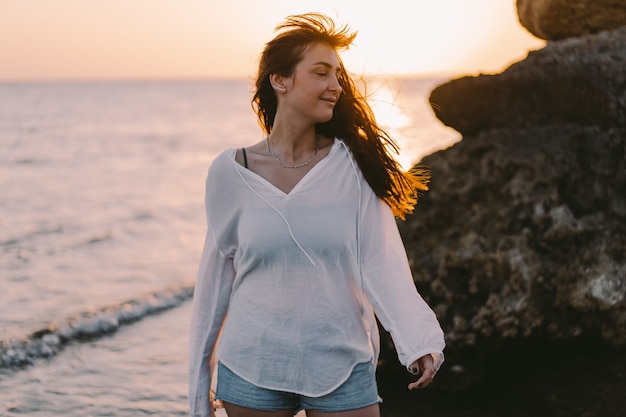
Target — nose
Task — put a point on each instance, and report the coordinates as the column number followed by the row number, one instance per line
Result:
column 335, row 86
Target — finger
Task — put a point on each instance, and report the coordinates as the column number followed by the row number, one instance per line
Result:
column 424, row 380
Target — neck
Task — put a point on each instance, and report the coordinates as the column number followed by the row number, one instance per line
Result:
column 292, row 144
column 294, row 162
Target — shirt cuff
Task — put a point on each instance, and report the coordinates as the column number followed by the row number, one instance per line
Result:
column 438, row 359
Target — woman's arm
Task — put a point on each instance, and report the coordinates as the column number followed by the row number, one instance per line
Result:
column 210, row 303
column 214, row 284
column 389, row 286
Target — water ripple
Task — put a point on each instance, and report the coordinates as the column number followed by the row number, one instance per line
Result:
column 88, row 325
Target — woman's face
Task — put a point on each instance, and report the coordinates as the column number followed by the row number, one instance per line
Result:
column 313, row 89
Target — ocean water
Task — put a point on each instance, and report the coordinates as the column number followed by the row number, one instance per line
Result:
column 101, row 228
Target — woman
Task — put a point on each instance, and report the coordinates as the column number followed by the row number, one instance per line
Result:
column 302, row 247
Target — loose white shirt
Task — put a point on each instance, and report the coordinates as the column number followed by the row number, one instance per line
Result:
column 289, row 282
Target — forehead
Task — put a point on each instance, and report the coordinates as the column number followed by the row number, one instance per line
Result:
column 320, row 53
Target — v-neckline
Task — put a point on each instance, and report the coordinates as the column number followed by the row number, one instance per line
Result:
column 298, row 184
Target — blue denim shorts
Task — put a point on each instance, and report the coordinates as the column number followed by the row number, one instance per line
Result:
column 358, row 391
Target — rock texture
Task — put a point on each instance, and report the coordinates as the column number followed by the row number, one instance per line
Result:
column 520, row 248
column 523, row 234
column 578, row 81
column 520, row 245
column 558, row 19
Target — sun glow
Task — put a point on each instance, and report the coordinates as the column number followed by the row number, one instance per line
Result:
column 391, row 118
column 196, row 38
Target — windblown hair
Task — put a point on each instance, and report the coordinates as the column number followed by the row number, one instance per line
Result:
column 353, row 119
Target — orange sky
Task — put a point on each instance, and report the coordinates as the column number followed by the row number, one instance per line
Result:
column 153, row 39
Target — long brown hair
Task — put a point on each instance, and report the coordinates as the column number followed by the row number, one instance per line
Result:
column 353, row 120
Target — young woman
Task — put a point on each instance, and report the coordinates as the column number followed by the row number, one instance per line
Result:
column 302, row 247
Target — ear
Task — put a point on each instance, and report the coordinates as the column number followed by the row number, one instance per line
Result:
column 278, row 83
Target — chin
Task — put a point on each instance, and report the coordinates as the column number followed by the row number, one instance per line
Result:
column 326, row 118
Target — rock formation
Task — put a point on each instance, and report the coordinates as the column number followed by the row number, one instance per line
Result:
column 559, row 19
column 578, row 80
column 523, row 234
column 520, row 245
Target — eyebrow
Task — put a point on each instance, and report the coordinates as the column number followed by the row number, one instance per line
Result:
column 325, row 64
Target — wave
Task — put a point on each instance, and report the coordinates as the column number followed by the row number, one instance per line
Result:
column 42, row 231
column 88, row 325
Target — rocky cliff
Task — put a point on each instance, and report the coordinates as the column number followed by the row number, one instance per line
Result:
column 520, row 245
column 559, row 19
column 579, row 80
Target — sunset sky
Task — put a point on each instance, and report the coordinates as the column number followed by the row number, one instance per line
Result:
column 157, row 39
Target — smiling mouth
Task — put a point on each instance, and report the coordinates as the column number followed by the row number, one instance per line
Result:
column 330, row 100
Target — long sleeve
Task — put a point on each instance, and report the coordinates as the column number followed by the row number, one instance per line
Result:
column 388, row 284
column 212, row 291
column 210, row 303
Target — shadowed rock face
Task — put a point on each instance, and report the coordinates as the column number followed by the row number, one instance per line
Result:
column 559, row 19
column 523, row 234
column 520, row 244
column 575, row 81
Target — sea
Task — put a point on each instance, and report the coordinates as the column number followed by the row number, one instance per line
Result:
column 102, row 224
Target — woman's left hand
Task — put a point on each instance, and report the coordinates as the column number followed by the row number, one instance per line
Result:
column 425, row 365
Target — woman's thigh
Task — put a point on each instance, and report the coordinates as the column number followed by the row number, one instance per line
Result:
column 236, row 411
column 369, row 411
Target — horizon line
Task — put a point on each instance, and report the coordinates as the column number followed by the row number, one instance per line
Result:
column 196, row 78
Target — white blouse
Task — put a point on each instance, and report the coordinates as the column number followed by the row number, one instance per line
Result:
column 300, row 275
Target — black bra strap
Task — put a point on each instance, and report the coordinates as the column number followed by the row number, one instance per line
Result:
column 245, row 157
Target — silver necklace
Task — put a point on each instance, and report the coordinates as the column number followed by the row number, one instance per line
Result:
column 284, row 165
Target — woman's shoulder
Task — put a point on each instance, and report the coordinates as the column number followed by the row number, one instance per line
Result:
column 221, row 169
column 340, row 143
column 223, row 160
column 225, row 155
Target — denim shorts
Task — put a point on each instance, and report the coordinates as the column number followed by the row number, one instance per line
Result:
column 358, row 391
